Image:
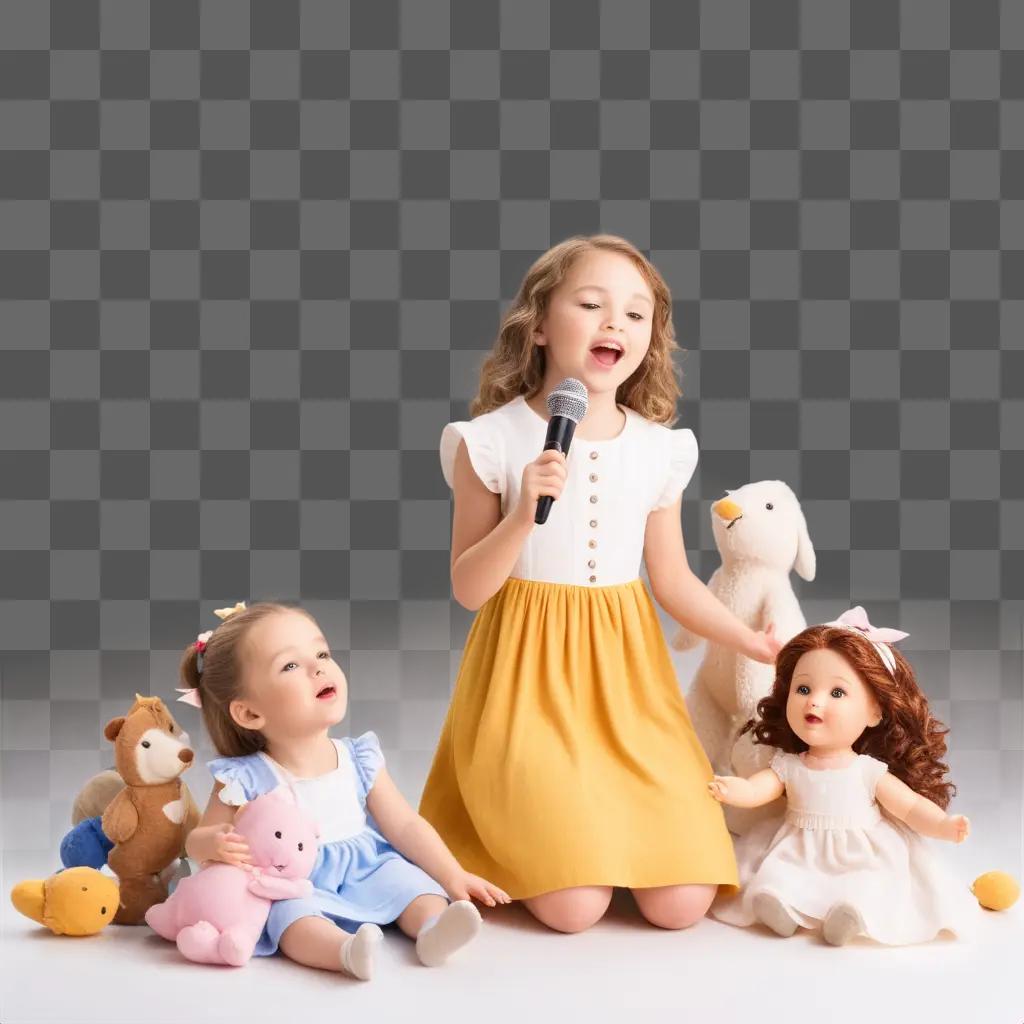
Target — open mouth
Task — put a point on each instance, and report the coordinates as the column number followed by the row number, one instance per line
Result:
column 607, row 353
column 280, row 867
column 812, row 719
column 326, row 693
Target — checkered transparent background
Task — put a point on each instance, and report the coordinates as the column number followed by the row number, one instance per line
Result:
column 253, row 253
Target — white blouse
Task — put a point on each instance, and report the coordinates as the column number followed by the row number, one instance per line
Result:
column 594, row 535
column 331, row 799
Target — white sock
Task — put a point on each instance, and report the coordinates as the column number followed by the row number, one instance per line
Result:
column 456, row 925
column 357, row 954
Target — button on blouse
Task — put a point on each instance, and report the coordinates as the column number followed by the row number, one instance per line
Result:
column 645, row 467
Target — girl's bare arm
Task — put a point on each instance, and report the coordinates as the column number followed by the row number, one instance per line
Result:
column 685, row 597
column 214, row 838
column 485, row 547
column 417, row 840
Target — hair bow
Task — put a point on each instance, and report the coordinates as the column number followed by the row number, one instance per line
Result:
column 190, row 695
column 856, row 619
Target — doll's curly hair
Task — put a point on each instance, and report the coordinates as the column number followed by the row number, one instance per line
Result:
column 909, row 739
column 516, row 364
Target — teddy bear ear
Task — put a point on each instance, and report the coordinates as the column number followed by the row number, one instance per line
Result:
column 112, row 728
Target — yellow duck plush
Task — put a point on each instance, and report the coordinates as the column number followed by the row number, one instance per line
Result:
column 76, row 901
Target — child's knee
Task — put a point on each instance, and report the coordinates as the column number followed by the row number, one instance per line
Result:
column 570, row 910
column 676, row 907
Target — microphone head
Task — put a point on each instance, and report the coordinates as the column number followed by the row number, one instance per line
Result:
column 569, row 399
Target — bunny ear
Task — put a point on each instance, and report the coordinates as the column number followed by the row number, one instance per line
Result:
column 805, row 564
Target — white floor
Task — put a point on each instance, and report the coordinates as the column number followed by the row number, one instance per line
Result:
column 518, row 970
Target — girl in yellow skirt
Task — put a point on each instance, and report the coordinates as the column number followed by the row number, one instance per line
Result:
column 567, row 764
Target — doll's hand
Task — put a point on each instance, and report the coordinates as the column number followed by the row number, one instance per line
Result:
column 766, row 646
column 230, row 847
column 958, row 828
column 464, row 886
column 718, row 787
column 545, row 475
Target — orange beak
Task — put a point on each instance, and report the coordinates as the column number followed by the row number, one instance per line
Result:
column 727, row 509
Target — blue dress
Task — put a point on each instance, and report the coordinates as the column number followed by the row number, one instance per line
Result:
column 357, row 879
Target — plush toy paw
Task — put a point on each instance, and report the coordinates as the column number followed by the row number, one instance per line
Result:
column 200, row 943
column 85, row 846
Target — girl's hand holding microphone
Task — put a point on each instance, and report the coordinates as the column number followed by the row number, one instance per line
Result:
column 546, row 475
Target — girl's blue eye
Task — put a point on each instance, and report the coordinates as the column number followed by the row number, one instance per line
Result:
column 320, row 655
column 803, row 690
column 838, row 692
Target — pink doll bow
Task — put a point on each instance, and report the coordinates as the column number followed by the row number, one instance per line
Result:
column 880, row 636
column 190, row 695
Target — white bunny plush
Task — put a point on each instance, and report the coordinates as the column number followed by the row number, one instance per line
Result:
column 761, row 535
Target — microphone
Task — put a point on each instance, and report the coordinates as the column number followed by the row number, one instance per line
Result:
column 567, row 405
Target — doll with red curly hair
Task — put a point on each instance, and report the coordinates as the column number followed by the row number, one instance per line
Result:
column 855, row 738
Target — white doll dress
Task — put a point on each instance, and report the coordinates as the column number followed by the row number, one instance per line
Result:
column 836, row 846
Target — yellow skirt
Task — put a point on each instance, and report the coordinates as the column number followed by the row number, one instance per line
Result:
column 567, row 756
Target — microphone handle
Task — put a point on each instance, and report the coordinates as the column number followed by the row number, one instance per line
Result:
column 560, row 431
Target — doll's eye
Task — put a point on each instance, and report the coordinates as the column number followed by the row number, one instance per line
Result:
column 300, row 847
column 803, row 690
column 145, row 743
column 277, row 835
column 769, row 506
column 838, row 692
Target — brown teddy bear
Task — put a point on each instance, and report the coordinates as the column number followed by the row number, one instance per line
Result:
column 149, row 819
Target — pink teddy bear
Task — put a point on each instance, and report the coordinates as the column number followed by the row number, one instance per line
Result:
column 217, row 915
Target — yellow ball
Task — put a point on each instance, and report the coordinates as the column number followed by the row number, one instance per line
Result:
column 996, row 890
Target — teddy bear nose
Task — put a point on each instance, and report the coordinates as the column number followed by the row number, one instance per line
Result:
column 185, row 755
column 727, row 509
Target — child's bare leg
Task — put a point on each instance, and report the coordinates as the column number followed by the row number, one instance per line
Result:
column 571, row 910
column 675, row 906
column 421, row 910
column 439, row 927
column 317, row 942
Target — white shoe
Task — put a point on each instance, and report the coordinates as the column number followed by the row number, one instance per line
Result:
column 770, row 910
column 455, row 926
column 842, row 923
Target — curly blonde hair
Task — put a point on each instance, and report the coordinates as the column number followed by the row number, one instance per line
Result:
column 516, row 364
